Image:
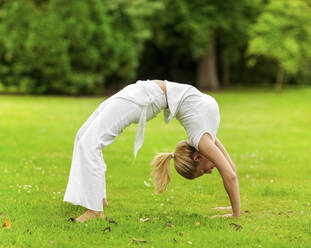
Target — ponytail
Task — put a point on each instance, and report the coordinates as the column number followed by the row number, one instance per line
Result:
column 161, row 171
column 183, row 163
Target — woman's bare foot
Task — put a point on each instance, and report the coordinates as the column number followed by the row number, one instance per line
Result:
column 105, row 203
column 90, row 214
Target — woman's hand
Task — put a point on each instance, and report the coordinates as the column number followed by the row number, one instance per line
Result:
column 222, row 208
column 222, row 216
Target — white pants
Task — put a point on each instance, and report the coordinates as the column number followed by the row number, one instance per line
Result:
column 86, row 185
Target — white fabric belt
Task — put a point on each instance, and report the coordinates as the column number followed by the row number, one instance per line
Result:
column 138, row 96
column 145, row 100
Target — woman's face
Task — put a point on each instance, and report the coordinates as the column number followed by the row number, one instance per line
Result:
column 205, row 166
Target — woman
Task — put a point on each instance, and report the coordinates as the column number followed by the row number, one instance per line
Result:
column 138, row 103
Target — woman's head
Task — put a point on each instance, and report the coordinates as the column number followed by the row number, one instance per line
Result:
column 183, row 159
column 188, row 162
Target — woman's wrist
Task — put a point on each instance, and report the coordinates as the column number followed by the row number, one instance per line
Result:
column 236, row 214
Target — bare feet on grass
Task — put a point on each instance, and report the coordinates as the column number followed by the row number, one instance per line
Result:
column 105, row 203
column 89, row 215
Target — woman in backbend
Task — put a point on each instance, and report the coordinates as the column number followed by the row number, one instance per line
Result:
column 198, row 113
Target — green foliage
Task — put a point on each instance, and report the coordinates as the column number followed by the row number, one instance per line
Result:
column 184, row 29
column 77, row 46
column 131, row 27
column 73, row 46
column 188, row 25
column 237, row 18
column 282, row 33
column 12, row 37
column 185, row 26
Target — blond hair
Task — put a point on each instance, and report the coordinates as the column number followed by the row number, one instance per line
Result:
column 183, row 163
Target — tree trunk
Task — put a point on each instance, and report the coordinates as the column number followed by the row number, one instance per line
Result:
column 207, row 78
column 226, row 72
column 279, row 79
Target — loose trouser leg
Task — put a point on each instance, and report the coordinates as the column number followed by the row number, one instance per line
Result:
column 86, row 185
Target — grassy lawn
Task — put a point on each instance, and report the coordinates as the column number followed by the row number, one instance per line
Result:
column 267, row 135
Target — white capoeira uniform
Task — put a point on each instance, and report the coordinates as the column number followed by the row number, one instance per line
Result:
column 198, row 113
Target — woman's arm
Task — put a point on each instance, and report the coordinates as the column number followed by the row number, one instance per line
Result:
column 227, row 156
column 229, row 177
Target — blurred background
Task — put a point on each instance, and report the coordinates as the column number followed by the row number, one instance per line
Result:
column 85, row 47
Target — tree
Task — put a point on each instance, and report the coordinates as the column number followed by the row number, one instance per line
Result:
column 233, row 36
column 194, row 28
column 282, row 33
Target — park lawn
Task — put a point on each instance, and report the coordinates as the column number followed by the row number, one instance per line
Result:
column 267, row 135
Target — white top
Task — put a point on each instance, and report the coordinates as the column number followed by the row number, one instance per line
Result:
column 197, row 112
column 176, row 92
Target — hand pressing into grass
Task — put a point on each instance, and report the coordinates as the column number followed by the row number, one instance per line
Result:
column 222, row 216
column 223, row 208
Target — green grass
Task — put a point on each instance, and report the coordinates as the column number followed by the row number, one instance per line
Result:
column 267, row 135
